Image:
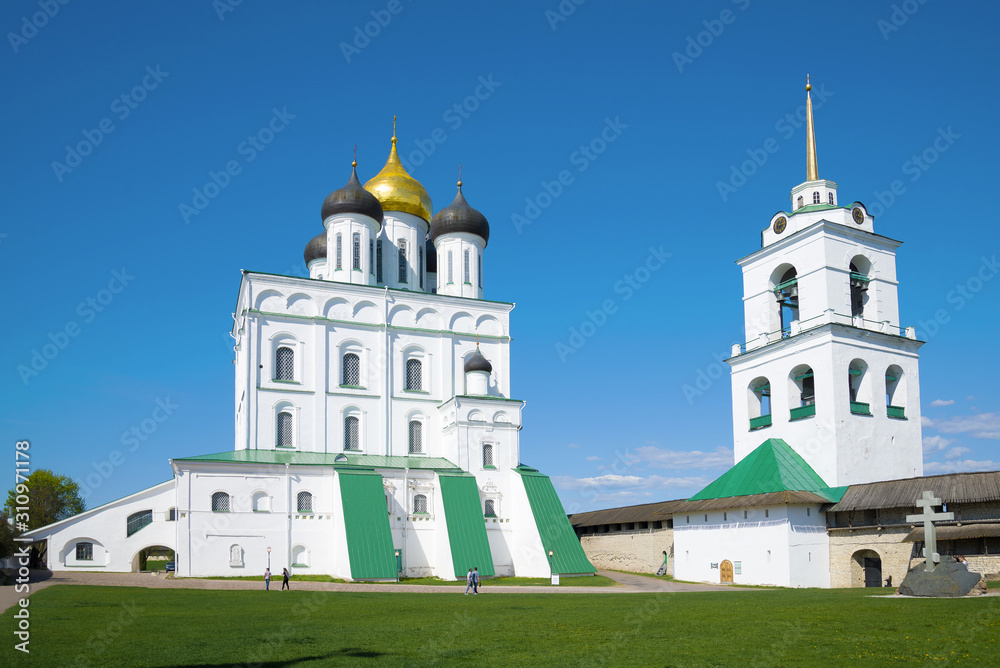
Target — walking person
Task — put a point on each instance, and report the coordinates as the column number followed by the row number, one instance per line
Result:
column 284, row 580
column 468, row 583
column 267, row 579
column 475, row 580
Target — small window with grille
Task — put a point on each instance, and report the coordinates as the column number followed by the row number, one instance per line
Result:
column 284, row 430
column 378, row 261
column 356, row 251
column 489, row 508
column 284, row 364
column 816, row 197
column 419, row 504
column 414, row 375
column 351, row 374
column 340, row 248
column 352, row 433
column 138, row 521
column 304, row 502
column 220, row 502
column 416, row 437
column 402, row 260
column 487, row 455
column 84, row 551
column 465, row 273
column 829, row 197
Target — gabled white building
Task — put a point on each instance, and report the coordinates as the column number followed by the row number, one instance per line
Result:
column 375, row 429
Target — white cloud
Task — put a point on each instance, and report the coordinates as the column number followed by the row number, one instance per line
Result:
column 942, row 402
column 959, row 466
column 955, row 453
column 613, row 480
column 572, row 445
column 593, row 458
column 981, row 425
column 663, row 458
column 934, row 444
column 926, row 421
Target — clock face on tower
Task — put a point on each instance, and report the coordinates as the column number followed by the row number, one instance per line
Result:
column 858, row 215
column 779, row 225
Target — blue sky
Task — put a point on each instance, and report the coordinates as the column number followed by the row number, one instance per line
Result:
column 642, row 110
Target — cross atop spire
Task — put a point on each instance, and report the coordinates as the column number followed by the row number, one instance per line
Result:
column 812, row 167
column 394, row 129
column 354, row 163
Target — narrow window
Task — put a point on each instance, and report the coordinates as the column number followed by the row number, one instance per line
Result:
column 420, row 265
column 352, row 435
column 172, row 515
column 371, row 257
column 895, row 396
column 284, row 431
column 465, row 261
column 479, row 269
column 487, row 455
column 767, row 513
column 402, row 260
column 351, row 370
column 799, row 202
column 419, row 504
column 414, row 375
column 284, row 364
column 304, row 502
column 451, row 269
column 416, row 437
column 489, row 508
column 816, row 197
column 84, row 551
column 220, row 502
column 357, row 250
column 137, row 521
column 340, row 247
column 744, row 514
column 378, row 261
column 829, row 197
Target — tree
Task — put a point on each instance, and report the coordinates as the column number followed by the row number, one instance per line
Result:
column 51, row 498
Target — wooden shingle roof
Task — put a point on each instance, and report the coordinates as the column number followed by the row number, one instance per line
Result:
column 950, row 488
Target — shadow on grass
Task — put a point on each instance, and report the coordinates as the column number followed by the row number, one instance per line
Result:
column 352, row 652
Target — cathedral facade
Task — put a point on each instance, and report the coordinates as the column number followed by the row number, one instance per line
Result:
column 375, row 431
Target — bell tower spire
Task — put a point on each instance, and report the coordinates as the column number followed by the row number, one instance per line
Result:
column 812, row 167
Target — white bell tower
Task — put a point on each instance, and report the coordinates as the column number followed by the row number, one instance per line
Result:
column 826, row 366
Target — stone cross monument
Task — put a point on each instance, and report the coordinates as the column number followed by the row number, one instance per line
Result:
column 927, row 503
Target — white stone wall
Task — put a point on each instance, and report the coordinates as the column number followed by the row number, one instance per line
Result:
column 638, row 552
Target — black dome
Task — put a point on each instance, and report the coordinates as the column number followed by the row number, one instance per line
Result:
column 432, row 257
column 352, row 198
column 478, row 363
column 460, row 217
column 316, row 248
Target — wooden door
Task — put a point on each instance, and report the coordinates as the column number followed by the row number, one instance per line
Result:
column 726, row 571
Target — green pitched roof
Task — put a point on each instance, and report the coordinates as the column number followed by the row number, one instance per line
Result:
column 773, row 467
column 557, row 534
column 470, row 546
column 349, row 460
column 369, row 539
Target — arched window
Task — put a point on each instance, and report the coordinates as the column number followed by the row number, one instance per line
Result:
column 352, row 433
column 402, row 260
column 351, row 370
column 371, row 257
column 816, row 197
column 787, row 294
column 172, row 515
column 284, row 433
column 414, row 375
column 340, row 248
column 487, row 455
column 895, row 393
column 465, row 272
column 859, row 268
column 759, row 403
column 489, row 510
column 261, row 502
column 799, row 202
column 829, row 198
column 803, row 392
column 858, row 387
column 220, row 502
column 451, row 268
column 284, row 363
column 304, row 502
column 84, row 551
column 416, row 437
column 300, row 556
column 137, row 521
column 356, row 251
column 419, row 504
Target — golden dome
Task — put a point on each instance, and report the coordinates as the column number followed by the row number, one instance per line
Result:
column 397, row 190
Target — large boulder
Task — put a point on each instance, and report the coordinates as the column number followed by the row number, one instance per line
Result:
column 950, row 579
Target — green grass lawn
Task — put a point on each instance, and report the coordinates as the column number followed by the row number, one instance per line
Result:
column 124, row 626
column 581, row 581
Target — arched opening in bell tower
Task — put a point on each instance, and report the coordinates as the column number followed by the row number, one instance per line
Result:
column 759, row 403
column 802, row 392
column 860, row 267
column 786, row 294
column 895, row 392
column 859, row 386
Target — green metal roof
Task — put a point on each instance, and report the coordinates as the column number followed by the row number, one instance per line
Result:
column 553, row 525
column 470, row 547
column 369, row 541
column 296, row 458
column 773, row 467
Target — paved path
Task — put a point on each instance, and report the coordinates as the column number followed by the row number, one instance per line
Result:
column 627, row 584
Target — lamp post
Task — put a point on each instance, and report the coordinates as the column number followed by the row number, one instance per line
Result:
column 551, row 573
column 398, row 564
column 268, row 558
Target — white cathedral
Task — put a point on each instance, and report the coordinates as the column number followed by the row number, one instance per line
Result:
column 375, row 431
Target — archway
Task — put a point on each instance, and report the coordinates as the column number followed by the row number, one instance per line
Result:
column 152, row 558
column 866, row 569
column 726, row 572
